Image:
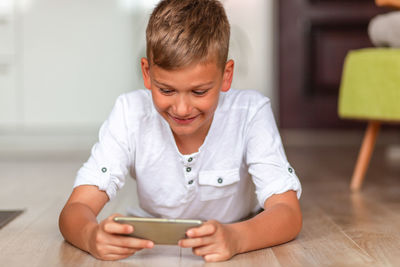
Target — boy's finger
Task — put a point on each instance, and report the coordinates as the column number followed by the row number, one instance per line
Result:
column 121, row 250
column 118, row 228
column 113, row 257
column 195, row 242
column 204, row 250
column 206, row 229
column 212, row 258
column 130, row 242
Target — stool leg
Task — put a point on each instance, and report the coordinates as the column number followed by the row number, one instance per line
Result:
column 364, row 155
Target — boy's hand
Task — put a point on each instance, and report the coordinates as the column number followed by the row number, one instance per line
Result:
column 213, row 241
column 106, row 240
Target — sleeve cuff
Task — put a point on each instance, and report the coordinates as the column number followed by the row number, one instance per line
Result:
column 279, row 187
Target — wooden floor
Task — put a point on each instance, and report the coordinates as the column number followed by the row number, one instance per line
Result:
column 340, row 228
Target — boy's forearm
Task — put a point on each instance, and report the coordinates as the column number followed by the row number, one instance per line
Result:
column 275, row 225
column 76, row 223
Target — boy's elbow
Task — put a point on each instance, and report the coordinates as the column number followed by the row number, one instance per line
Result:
column 61, row 222
column 66, row 220
column 297, row 223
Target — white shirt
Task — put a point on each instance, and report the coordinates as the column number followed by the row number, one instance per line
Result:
column 240, row 164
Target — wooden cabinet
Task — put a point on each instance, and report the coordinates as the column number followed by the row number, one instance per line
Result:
column 314, row 37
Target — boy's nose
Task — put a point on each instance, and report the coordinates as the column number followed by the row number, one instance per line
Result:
column 182, row 107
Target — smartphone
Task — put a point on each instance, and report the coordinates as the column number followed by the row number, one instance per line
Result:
column 160, row 231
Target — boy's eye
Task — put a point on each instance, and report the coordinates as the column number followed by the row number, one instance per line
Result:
column 199, row 92
column 166, row 91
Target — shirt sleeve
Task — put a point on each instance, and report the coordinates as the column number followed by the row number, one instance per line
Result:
column 110, row 158
column 265, row 156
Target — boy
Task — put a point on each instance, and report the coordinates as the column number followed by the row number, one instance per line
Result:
column 196, row 148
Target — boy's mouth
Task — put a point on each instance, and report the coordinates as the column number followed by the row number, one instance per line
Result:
column 183, row 120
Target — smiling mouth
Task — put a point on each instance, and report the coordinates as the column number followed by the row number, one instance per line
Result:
column 183, row 120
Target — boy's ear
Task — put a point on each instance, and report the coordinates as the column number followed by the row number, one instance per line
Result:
column 144, row 63
column 228, row 76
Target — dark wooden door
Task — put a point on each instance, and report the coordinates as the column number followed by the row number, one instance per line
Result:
column 314, row 37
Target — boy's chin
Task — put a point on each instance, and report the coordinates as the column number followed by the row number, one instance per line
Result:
column 182, row 131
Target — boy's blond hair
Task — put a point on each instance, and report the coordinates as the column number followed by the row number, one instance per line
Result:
column 181, row 32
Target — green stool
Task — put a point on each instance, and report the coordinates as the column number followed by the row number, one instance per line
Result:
column 370, row 90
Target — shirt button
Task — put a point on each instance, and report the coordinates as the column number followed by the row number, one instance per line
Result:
column 220, row 180
column 190, row 159
column 290, row 170
column 188, row 169
column 190, row 182
column 104, row 169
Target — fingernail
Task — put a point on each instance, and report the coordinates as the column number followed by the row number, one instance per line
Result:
column 150, row 244
column 189, row 233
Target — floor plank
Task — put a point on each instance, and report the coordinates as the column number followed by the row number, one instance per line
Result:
column 321, row 243
column 364, row 217
column 340, row 228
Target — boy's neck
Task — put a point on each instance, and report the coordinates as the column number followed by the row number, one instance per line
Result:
column 191, row 143
column 188, row 144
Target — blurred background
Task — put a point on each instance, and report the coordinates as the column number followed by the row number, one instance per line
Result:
column 64, row 62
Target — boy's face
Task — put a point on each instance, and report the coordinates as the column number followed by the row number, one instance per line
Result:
column 187, row 97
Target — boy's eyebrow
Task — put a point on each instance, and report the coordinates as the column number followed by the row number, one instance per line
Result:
column 195, row 86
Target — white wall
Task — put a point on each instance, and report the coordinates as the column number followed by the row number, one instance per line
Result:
column 64, row 62
column 8, row 92
column 252, row 44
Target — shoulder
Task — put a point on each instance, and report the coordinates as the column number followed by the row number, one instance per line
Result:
column 140, row 97
column 132, row 108
column 243, row 99
column 239, row 108
column 137, row 102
